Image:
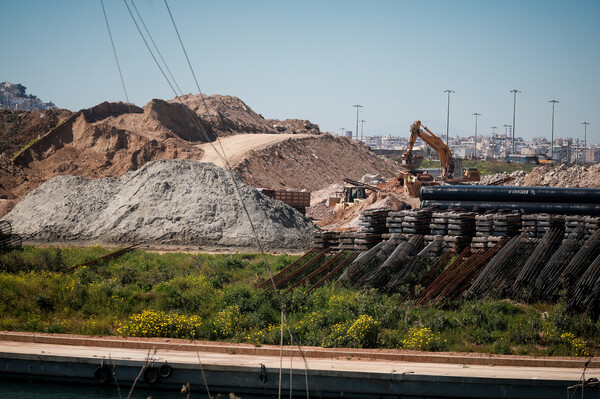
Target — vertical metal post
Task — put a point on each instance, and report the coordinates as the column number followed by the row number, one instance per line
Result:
column 357, row 107
column 514, row 91
column 585, row 140
column 475, row 150
column 448, row 117
column 552, row 140
column 362, row 129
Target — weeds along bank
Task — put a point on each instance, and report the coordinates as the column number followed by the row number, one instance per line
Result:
column 164, row 203
column 213, row 297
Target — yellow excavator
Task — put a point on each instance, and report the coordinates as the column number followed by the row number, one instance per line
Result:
column 413, row 162
column 414, row 180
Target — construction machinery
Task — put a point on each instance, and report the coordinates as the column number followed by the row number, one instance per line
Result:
column 415, row 179
column 413, row 162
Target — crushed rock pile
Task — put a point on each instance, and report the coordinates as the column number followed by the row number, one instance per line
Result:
column 546, row 176
column 179, row 203
column 516, row 178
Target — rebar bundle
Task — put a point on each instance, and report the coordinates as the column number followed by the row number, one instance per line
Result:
column 395, row 263
column 586, row 292
column 367, row 261
column 502, row 270
column 546, row 247
column 455, row 280
column 579, row 263
column 416, row 266
column 543, row 286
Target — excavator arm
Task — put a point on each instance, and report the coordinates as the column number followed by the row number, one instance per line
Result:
column 446, row 160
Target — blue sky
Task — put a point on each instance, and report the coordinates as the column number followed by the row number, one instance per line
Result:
column 315, row 59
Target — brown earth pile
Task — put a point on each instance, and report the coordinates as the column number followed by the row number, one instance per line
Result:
column 312, row 163
column 17, row 128
column 112, row 138
column 230, row 115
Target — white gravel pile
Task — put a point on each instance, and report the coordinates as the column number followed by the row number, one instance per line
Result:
column 177, row 203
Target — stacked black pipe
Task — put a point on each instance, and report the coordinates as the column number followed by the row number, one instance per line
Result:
column 551, row 200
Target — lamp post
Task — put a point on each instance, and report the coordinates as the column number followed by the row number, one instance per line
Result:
column 552, row 141
column 585, row 137
column 362, row 129
column 475, row 150
column 357, row 106
column 448, row 116
column 514, row 91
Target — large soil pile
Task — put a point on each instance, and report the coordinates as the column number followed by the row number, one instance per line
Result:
column 312, row 163
column 111, row 139
column 179, row 203
column 17, row 128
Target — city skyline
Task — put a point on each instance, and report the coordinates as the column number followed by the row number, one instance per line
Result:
column 314, row 60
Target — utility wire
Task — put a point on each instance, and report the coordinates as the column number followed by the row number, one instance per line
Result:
column 223, row 157
column 148, row 47
column 237, row 189
column 155, row 46
column 115, row 52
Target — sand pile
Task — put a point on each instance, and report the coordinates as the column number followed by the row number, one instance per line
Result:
column 179, row 203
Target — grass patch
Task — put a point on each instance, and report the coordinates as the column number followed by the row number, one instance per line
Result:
column 485, row 167
column 214, row 297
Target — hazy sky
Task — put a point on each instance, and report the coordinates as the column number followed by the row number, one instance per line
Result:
column 315, row 59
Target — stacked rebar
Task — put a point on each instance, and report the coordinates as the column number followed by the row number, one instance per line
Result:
column 543, row 252
column 547, row 280
column 380, row 276
column 502, row 270
column 586, row 292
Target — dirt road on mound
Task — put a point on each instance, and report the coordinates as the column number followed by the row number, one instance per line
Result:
column 236, row 147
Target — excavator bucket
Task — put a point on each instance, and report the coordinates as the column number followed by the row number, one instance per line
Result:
column 412, row 161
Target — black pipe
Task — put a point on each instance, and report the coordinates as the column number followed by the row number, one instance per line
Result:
column 525, row 207
column 511, row 193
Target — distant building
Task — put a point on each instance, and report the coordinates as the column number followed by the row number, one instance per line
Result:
column 14, row 96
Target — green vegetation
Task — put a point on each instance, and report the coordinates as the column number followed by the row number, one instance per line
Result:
column 485, row 167
column 213, row 297
column 32, row 142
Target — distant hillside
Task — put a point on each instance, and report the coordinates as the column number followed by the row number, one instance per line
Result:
column 14, row 96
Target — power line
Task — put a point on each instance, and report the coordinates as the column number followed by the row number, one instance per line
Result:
column 115, row 53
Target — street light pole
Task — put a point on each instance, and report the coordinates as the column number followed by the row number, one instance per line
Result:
column 362, row 129
column 475, row 150
column 585, row 135
column 552, row 142
column 357, row 107
column 514, row 91
column 493, row 141
column 448, row 116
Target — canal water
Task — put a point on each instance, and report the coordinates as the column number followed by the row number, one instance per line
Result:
column 30, row 390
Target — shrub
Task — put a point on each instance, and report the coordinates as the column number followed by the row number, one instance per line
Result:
column 160, row 324
column 359, row 333
column 422, row 339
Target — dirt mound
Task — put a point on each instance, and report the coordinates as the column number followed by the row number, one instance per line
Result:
column 311, row 163
column 111, row 139
column 347, row 219
column 545, row 176
column 17, row 128
column 165, row 203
